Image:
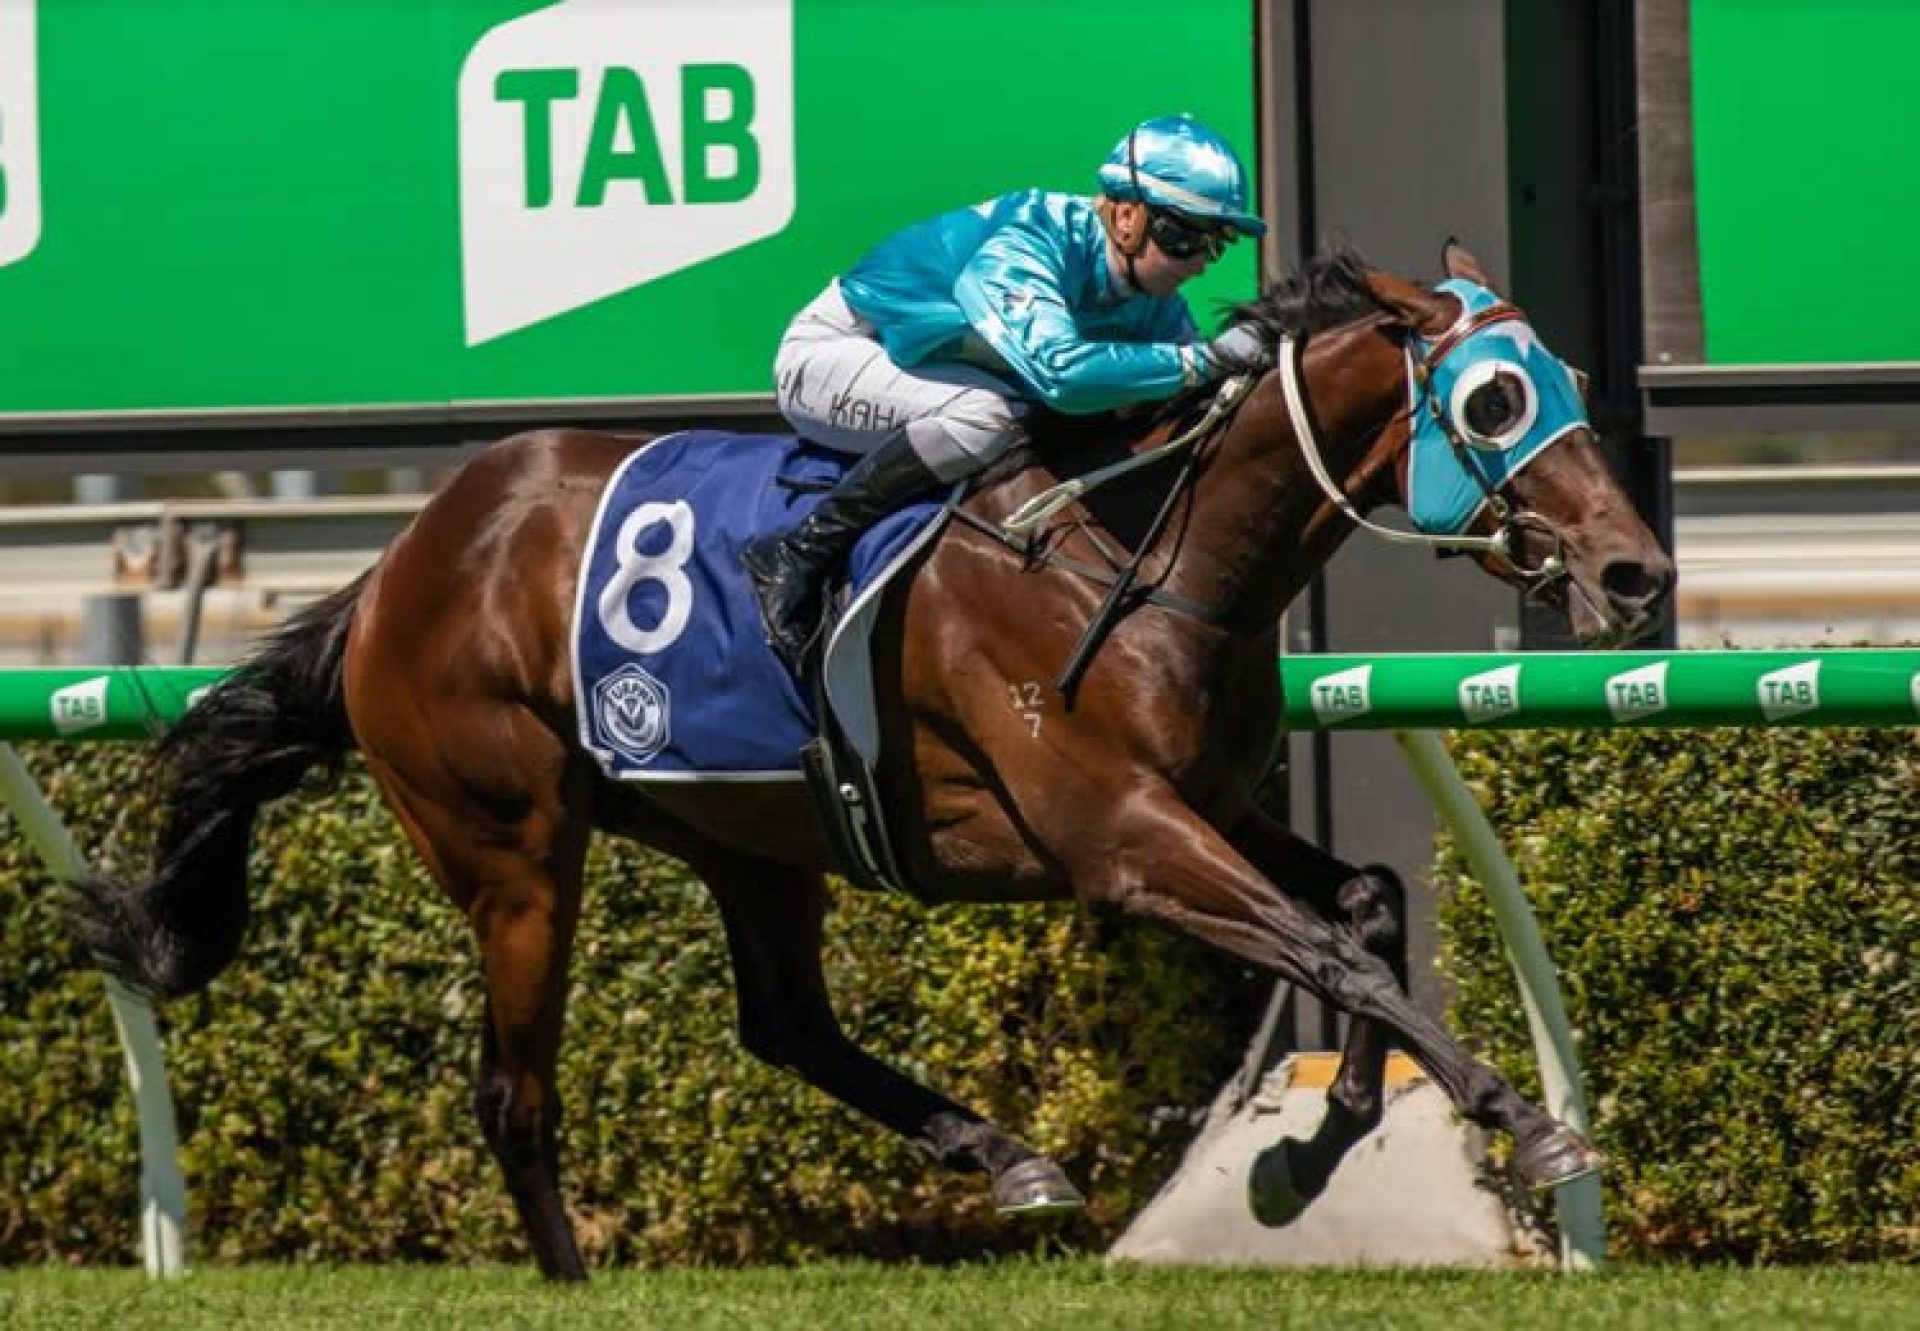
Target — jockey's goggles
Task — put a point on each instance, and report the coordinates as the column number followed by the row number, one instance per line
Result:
column 1182, row 238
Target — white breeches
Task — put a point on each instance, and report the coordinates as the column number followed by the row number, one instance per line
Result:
column 836, row 386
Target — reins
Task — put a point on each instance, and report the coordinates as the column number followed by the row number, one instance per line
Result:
column 1112, row 606
column 1018, row 530
column 1050, row 501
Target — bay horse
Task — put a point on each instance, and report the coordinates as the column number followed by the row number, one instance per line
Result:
column 447, row 665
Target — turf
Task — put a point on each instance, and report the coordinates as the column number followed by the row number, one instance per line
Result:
column 1051, row 1294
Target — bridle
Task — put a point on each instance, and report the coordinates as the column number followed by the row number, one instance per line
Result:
column 1016, row 531
column 1534, row 579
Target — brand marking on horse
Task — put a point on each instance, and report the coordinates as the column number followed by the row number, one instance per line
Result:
column 1028, row 699
column 633, row 713
column 1344, row 695
column 1491, row 694
column 1634, row 694
column 1790, row 691
column 80, row 707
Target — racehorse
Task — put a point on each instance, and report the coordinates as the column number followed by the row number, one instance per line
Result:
column 447, row 665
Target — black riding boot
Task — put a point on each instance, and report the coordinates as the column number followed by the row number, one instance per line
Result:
column 789, row 569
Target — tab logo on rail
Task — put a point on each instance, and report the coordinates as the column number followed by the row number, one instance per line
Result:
column 1344, row 695
column 1634, row 694
column 605, row 145
column 1793, row 691
column 19, row 132
column 80, row 707
column 1491, row 694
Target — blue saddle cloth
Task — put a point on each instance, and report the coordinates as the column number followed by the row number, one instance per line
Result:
column 672, row 676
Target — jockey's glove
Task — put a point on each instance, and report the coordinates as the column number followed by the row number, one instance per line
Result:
column 1242, row 349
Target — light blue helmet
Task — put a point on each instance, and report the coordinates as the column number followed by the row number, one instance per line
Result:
column 1175, row 162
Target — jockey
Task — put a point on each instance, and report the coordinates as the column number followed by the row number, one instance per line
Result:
column 924, row 357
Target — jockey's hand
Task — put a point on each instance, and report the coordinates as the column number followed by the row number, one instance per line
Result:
column 1242, row 349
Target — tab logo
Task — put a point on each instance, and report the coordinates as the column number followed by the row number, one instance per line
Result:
column 19, row 132
column 1491, row 695
column 604, row 145
column 1638, row 693
column 1344, row 695
column 1792, row 691
column 80, row 707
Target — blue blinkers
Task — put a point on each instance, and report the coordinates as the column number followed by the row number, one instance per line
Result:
column 1495, row 401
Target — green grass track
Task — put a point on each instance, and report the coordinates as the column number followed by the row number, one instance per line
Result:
column 1052, row 1295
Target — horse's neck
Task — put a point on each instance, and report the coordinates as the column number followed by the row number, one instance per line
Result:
column 1256, row 526
column 1266, row 526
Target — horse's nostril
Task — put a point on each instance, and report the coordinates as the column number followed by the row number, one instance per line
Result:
column 1628, row 582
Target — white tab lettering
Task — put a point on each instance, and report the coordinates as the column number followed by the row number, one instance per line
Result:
column 1491, row 694
column 1344, row 695
column 1791, row 691
column 1638, row 693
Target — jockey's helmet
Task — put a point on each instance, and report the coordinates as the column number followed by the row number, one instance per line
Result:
column 1177, row 163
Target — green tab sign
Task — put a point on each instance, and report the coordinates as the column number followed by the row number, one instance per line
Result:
column 311, row 203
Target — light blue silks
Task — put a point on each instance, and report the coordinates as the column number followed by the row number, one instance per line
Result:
column 1028, row 273
column 1443, row 498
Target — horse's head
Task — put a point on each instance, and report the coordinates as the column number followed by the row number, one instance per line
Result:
column 1498, row 445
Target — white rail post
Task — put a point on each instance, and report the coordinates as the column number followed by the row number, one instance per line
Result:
column 163, row 1189
column 1583, row 1234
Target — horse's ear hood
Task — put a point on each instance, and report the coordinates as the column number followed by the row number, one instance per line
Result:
column 1459, row 262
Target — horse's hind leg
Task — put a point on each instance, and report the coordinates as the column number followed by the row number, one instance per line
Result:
column 774, row 920
column 517, row 878
column 1370, row 905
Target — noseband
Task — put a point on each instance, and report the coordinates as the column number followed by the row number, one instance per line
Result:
column 1514, row 519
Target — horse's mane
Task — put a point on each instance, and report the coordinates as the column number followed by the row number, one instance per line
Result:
column 1328, row 291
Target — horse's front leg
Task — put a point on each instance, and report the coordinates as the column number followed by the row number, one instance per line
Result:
column 1370, row 905
column 773, row 917
column 1209, row 889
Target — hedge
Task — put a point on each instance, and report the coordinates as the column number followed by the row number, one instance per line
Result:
column 323, row 1081
column 1736, row 919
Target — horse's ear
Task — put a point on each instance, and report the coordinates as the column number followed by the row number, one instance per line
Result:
column 1459, row 262
column 1416, row 307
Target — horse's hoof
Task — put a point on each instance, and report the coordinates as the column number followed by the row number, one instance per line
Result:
column 1557, row 1159
column 1035, row 1187
column 1271, row 1194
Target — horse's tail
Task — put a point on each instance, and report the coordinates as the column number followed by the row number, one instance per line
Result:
column 247, row 741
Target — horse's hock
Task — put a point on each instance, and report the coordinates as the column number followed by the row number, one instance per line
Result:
column 1415, row 1192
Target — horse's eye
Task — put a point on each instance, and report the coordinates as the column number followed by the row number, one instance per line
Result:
column 1491, row 409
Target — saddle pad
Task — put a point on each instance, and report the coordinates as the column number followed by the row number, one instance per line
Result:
column 672, row 678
